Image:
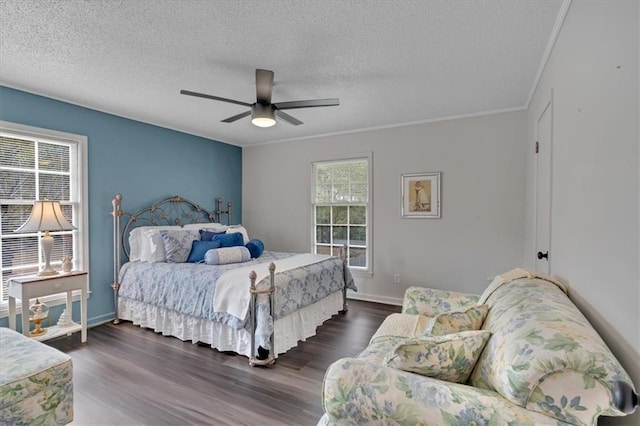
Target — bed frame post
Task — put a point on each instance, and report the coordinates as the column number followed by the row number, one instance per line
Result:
column 219, row 212
column 272, row 310
column 252, row 316
column 253, row 361
column 116, row 213
column 343, row 257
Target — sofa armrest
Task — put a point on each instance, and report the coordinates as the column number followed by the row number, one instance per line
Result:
column 430, row 302
column 358, row 392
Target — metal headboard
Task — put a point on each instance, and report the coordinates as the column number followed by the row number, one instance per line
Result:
column 174, row 210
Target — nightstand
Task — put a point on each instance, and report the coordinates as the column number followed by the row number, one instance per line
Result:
column 31, row 286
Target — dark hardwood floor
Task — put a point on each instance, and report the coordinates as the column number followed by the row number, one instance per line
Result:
column 126, row 375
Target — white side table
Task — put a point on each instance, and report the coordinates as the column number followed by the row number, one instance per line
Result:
column 31, row 286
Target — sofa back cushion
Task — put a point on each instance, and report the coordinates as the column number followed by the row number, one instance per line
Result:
column 544, row 355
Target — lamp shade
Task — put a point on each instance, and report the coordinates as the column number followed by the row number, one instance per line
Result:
column 46, row 215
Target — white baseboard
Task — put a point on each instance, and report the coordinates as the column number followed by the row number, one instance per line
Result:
column 397, row 301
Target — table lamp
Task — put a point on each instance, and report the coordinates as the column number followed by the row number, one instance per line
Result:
column 46, row 216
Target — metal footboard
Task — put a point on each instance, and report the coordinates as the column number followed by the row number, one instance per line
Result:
column 271, row 292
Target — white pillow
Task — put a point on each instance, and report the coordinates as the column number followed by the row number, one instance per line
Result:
column 139, row 243
column 153, row 246
column 134, row 244
column 210, row 226
column 241, row 229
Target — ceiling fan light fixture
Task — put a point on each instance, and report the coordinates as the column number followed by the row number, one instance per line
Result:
column 263, row 115
column 263, row 111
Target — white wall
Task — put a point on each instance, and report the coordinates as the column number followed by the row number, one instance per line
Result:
column 480, row 234
column 593, row 72
column 488, row 186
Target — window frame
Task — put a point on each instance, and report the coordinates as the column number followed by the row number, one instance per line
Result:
column 80, row 169
column 355, row 270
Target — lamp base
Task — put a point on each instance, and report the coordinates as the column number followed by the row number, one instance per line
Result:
column 38, row 330
column 47, row 246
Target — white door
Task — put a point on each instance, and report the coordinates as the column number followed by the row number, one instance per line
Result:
column 543, row 190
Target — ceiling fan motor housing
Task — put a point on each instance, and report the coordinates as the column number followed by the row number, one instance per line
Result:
column 263, row 115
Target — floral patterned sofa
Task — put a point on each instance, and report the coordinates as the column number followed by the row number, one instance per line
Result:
column 542, row 363
column 36, row 382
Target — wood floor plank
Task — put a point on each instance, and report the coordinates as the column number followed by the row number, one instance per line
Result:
column 126, row 375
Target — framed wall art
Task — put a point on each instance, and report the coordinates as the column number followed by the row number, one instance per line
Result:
column 421, row 195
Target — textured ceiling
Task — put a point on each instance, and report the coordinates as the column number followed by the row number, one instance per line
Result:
column 389, row 62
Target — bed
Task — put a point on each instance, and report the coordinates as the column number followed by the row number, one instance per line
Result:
column 258, row 308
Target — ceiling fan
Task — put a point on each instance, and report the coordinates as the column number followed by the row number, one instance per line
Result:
column 263, row 112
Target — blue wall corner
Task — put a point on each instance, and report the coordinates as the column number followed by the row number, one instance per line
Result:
column 144, row 163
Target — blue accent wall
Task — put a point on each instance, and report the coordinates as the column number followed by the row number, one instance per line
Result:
column 144, row 163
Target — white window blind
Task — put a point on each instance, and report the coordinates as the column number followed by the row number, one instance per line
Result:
column 35, row 165
column 341, row 210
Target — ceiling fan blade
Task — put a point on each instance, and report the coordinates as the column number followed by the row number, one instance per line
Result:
column 215, row 98
column 307, row 104
column 264, row 86
column 236, row 117
column 287, row 117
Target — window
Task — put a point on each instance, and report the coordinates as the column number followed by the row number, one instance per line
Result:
column 341, row 210
column 37, row 164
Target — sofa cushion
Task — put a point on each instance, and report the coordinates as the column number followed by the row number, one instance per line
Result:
column 455, row 322
column 450, row 357
column 431, row 302
column 378, row 350
column 401, row 325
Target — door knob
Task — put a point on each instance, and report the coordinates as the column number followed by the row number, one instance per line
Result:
column 544, row 255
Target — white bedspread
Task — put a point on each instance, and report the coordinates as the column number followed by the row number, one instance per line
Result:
column 232, row 288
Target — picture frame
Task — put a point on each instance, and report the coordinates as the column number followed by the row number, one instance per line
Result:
column 421, row 195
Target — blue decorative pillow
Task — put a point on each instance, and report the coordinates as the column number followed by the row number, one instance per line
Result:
column 199, row 249
column 177, row 244
column 229, row 240
column 225, row 255
column 206, row 235
column 256, row 247
column 241, row 229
